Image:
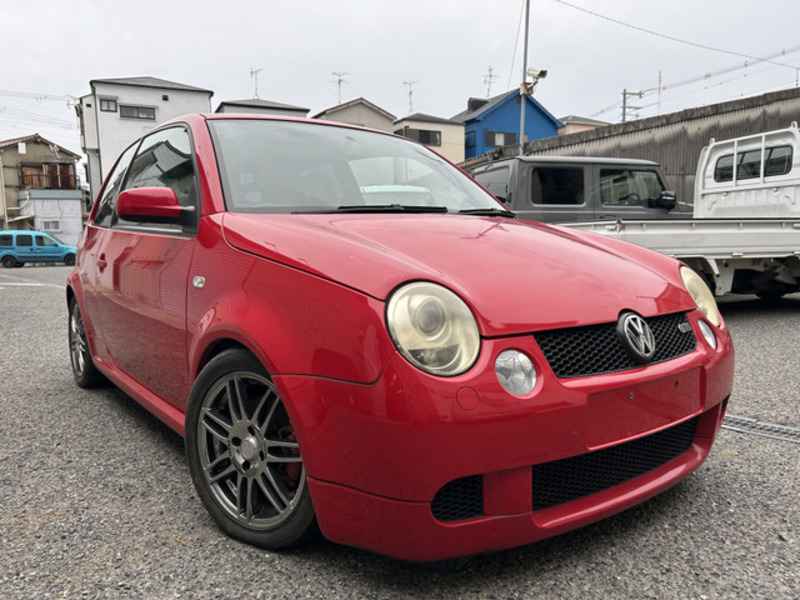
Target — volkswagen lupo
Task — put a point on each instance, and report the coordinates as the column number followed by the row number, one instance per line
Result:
column 354, row 336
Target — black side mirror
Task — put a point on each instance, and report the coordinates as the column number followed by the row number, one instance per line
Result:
column 667, row 200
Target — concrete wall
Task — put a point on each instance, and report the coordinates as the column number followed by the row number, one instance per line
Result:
column 63, row 206
column 675, row 140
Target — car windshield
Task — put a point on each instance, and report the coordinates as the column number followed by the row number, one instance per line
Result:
column 292, row 167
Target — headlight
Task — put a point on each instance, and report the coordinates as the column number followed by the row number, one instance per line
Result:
column 433, row 328
column 701, row 294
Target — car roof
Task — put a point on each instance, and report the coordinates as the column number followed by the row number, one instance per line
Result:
column 575, row 160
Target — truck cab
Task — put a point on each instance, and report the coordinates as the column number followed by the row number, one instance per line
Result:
column 563, row 189
column 753, row 176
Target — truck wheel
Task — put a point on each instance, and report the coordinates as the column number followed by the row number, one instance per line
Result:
column 9, row 262
column 771, row 295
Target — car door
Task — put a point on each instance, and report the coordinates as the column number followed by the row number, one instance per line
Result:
column 26, row 251
column 46, row 248
column 142, row 273
column 629, row 194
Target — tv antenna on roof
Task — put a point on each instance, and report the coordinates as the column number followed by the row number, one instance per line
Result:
column 410, row 85
column 339, row 81
column 254, row 74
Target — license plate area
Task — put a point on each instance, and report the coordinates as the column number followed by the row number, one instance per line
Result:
column 631, row 411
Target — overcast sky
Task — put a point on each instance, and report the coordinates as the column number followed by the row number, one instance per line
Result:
column 704, row 50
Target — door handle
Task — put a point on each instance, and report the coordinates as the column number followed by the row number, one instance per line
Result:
column 101, row 262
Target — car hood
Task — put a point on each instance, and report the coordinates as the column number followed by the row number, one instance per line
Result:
column 517, row 276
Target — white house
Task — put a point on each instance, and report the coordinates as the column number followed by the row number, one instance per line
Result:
column 445, row 136
column 117, row 111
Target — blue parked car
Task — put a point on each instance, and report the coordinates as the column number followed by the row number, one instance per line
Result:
column 20, row 247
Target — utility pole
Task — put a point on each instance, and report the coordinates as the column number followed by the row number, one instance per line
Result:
column 625, row 106
column 410, row 85
column 524, row 87
column 254, row 74
column 488, row 79
column 339, row 81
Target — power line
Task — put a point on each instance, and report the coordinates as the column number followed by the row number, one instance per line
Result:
column 669, row 37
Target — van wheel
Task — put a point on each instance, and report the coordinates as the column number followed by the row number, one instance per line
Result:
column 69, row 260
column 9, row 262
column 20, row 265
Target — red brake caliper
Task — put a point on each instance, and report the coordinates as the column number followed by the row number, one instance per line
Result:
column 290, row 473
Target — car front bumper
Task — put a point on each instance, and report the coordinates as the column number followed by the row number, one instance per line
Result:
column 426, row 468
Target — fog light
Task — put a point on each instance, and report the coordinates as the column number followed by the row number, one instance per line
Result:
column 515, row 372
column 708, row 333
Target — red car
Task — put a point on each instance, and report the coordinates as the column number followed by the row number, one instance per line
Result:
column 352, row 335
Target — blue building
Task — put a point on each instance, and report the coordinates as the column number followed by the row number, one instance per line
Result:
column 493, row 122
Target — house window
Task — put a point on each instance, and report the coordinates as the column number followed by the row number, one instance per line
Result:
column 49, row 176
column 165, row 97
column 51, row 225
column 424, row 136
column 108, row 105
column 469, row 139
column 499, row 138
column 137, row 112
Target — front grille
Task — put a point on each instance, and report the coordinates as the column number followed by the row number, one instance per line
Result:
column 459, row 499
column 575, row 477
column 596, row 349
column 578, row 476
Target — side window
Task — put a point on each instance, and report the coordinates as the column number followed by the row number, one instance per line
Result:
column 105, row 212
column 624, row 187
column 557, row 185
column 164, row 159
column 6, row 241
column 495, row 180
column 25, row 240
column 45, row 241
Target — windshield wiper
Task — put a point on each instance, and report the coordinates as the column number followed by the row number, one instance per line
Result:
column 488, row 212
column 380, row 208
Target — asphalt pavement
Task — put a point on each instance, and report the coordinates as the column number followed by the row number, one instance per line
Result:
column 96, row 499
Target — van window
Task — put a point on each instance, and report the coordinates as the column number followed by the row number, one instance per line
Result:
column 557, row 185
column 626, row 187
column 45, row 241
column 25, row 240
column 6, row 241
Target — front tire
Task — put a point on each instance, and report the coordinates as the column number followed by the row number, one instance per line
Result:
column 243, row 455
column 69, row 260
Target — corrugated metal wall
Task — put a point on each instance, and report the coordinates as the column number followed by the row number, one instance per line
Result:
column 675, row 140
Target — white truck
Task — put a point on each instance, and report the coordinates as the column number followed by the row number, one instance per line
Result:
column 744, row 236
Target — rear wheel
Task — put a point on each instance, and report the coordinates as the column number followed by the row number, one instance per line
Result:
column 243, row 454
column 9, row 262
column 83, row 369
